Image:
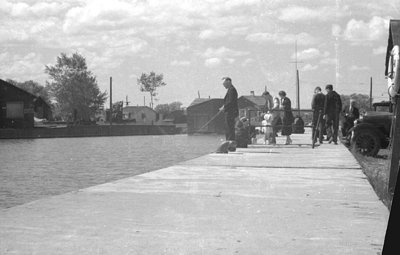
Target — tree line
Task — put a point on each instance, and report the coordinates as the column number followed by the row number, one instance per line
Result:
column 72, row 90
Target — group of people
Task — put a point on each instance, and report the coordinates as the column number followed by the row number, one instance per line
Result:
column 278, row 116
column 326, row 113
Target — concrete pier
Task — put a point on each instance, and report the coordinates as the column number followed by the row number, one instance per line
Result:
column 260, row 200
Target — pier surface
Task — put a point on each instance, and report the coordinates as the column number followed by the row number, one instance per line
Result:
column 260, row 200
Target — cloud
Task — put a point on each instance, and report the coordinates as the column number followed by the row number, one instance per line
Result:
column 210, row 34
column 380, row 50
column 22, row 67
column 358, row 68
column 13, row 35
column 328, row 61
column 183, row 48
column 224, row 52
column 336, row 30
column 282, row 38
column 310, row 53
column 247, row 61
column 308, row 67
column 105, row 15
column 180, row 63
column 38, row 9
column 300, row 13
column 360, row 32
column 215, row 56
column 212, row 62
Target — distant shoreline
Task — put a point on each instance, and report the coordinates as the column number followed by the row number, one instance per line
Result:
column 88, row 131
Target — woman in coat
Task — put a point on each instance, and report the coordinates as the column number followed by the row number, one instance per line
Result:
column 287, row 118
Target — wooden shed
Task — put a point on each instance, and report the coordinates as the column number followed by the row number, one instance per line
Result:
column 202, row 110
column 17, row 107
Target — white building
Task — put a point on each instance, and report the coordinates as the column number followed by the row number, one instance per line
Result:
column 140, row 115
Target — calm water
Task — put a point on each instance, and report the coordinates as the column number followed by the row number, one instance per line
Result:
column 37, row 168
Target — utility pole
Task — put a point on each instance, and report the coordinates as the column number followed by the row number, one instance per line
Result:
column 126, row 101
column 297, row 77
column 144, row 100
column 198, row 93
column 110, row 101
column 298, row 91
column 370, row 93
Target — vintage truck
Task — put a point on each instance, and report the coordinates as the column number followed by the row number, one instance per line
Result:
column 371, row 132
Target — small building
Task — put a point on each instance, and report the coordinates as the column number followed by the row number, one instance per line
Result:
column 140, row 115
column 19, row 107
column 251, row 107
column 201, row 111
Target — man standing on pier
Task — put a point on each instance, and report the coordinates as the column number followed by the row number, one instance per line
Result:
column 317, row 105
column 230, row 109
column 332, row 109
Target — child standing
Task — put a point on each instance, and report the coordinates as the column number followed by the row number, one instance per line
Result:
column 267, row 128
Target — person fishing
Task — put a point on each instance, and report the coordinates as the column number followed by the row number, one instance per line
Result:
column 230, row 109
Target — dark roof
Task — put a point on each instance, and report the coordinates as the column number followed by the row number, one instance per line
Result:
column 199, row 101
column 137, row 108
column 257, row 100
column 15, row 87
column 394, row 39
column 36, row 99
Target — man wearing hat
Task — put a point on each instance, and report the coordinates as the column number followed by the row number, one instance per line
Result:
column 351, row 113
column 332, row 109
column 317, row 105
column 230, row 109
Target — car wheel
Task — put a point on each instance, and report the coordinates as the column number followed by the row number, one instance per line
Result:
column 366, row 142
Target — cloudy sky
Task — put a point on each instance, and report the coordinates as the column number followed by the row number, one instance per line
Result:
column 195, row 43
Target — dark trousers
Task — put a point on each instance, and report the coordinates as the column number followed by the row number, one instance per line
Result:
column 332, row 126
column 230, row 126
column 320, row 128
column 347, row 124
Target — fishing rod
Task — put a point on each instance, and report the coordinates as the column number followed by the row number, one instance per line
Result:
column 208, row 122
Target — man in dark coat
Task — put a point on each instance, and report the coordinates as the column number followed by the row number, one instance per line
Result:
column 332, row 109
column 351, row 113
column 317, row 105
column 230, row 109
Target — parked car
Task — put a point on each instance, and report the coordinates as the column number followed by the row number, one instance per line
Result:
column 371, row 132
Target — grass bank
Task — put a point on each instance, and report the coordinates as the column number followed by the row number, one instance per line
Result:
column 377, row 171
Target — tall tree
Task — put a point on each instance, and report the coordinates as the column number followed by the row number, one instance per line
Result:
column 163, row 109
column 149, row 83
column 74, row 87
column 175, row 106
column 166, row 109
column 34, row 88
